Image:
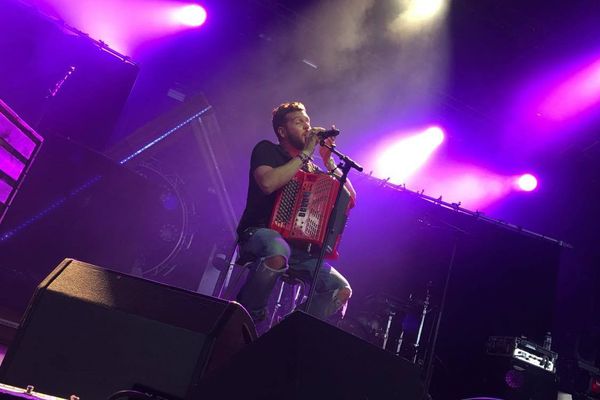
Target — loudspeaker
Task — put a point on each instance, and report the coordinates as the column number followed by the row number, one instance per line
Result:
column 305, row 358
column 92, row 332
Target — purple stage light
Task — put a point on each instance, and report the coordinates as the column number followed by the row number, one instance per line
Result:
column 472, row 186
column 435, row 135
column 578, row 93
column 527, row 182
column 401, row 158
column 192, row 15
column 559, row 99
column 125, row 26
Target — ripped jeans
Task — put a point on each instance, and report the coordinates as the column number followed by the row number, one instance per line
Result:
column 262, row 243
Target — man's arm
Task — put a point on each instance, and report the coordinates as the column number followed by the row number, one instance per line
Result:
column 270, row 179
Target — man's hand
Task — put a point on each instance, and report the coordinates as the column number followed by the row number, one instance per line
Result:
column 311, row 141
column 326, row 153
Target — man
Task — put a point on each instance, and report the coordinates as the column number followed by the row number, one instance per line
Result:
column 272, row 166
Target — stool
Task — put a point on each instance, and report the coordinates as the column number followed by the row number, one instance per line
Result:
column 235, row 260
column 288, row 280
column 297, row 287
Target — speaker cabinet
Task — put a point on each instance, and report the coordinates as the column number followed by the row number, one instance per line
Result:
column 92, row 332
column 305, row 358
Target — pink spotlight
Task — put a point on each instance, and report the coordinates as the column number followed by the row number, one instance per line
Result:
column 126, row 26
column 403, row 157
column 192, row 15
column 473, row 186
column 435, row 134
column 578, row 93
column 527, row 182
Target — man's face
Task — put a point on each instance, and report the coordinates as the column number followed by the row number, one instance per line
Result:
column 296, row 128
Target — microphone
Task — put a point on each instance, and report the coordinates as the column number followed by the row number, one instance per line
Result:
column 328, row 133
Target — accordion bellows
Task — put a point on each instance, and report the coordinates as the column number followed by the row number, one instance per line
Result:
column 303, row 207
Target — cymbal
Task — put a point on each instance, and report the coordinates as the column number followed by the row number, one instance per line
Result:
column 392, row 302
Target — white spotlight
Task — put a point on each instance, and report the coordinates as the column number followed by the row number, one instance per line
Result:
column 423, row 10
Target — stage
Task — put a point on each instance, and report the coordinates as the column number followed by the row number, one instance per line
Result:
column 173, row 173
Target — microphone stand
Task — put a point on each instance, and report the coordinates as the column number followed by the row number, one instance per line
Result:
column 346, row 163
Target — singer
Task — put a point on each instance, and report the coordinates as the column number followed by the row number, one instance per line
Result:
column 272, row 166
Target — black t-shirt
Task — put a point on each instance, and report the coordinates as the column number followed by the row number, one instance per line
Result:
column 258, row 204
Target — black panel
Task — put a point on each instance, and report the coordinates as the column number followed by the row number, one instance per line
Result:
column 92, row 332
column 306, row 358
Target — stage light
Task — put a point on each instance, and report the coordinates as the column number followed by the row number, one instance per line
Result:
column 192, row 15
column 527, row 182
column 578, row 93
column 416, row 15
column 435, row 135
column 126, row 26
column 472, row 186
column 422, row 10
column 403, row 157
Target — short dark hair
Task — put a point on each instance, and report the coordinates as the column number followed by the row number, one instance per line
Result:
column 280, row 113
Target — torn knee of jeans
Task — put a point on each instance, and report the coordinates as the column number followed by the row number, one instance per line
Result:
column 281, row 263
column 341, row 296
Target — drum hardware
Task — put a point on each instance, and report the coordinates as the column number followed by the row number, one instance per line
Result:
column 386, row 335
column 399, row 342
column 395, row 325
column 385, row 308
column 424, row 313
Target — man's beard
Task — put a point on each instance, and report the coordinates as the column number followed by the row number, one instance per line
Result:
column 296, row 142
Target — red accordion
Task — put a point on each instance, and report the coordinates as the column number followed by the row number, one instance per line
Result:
column 302, row 209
